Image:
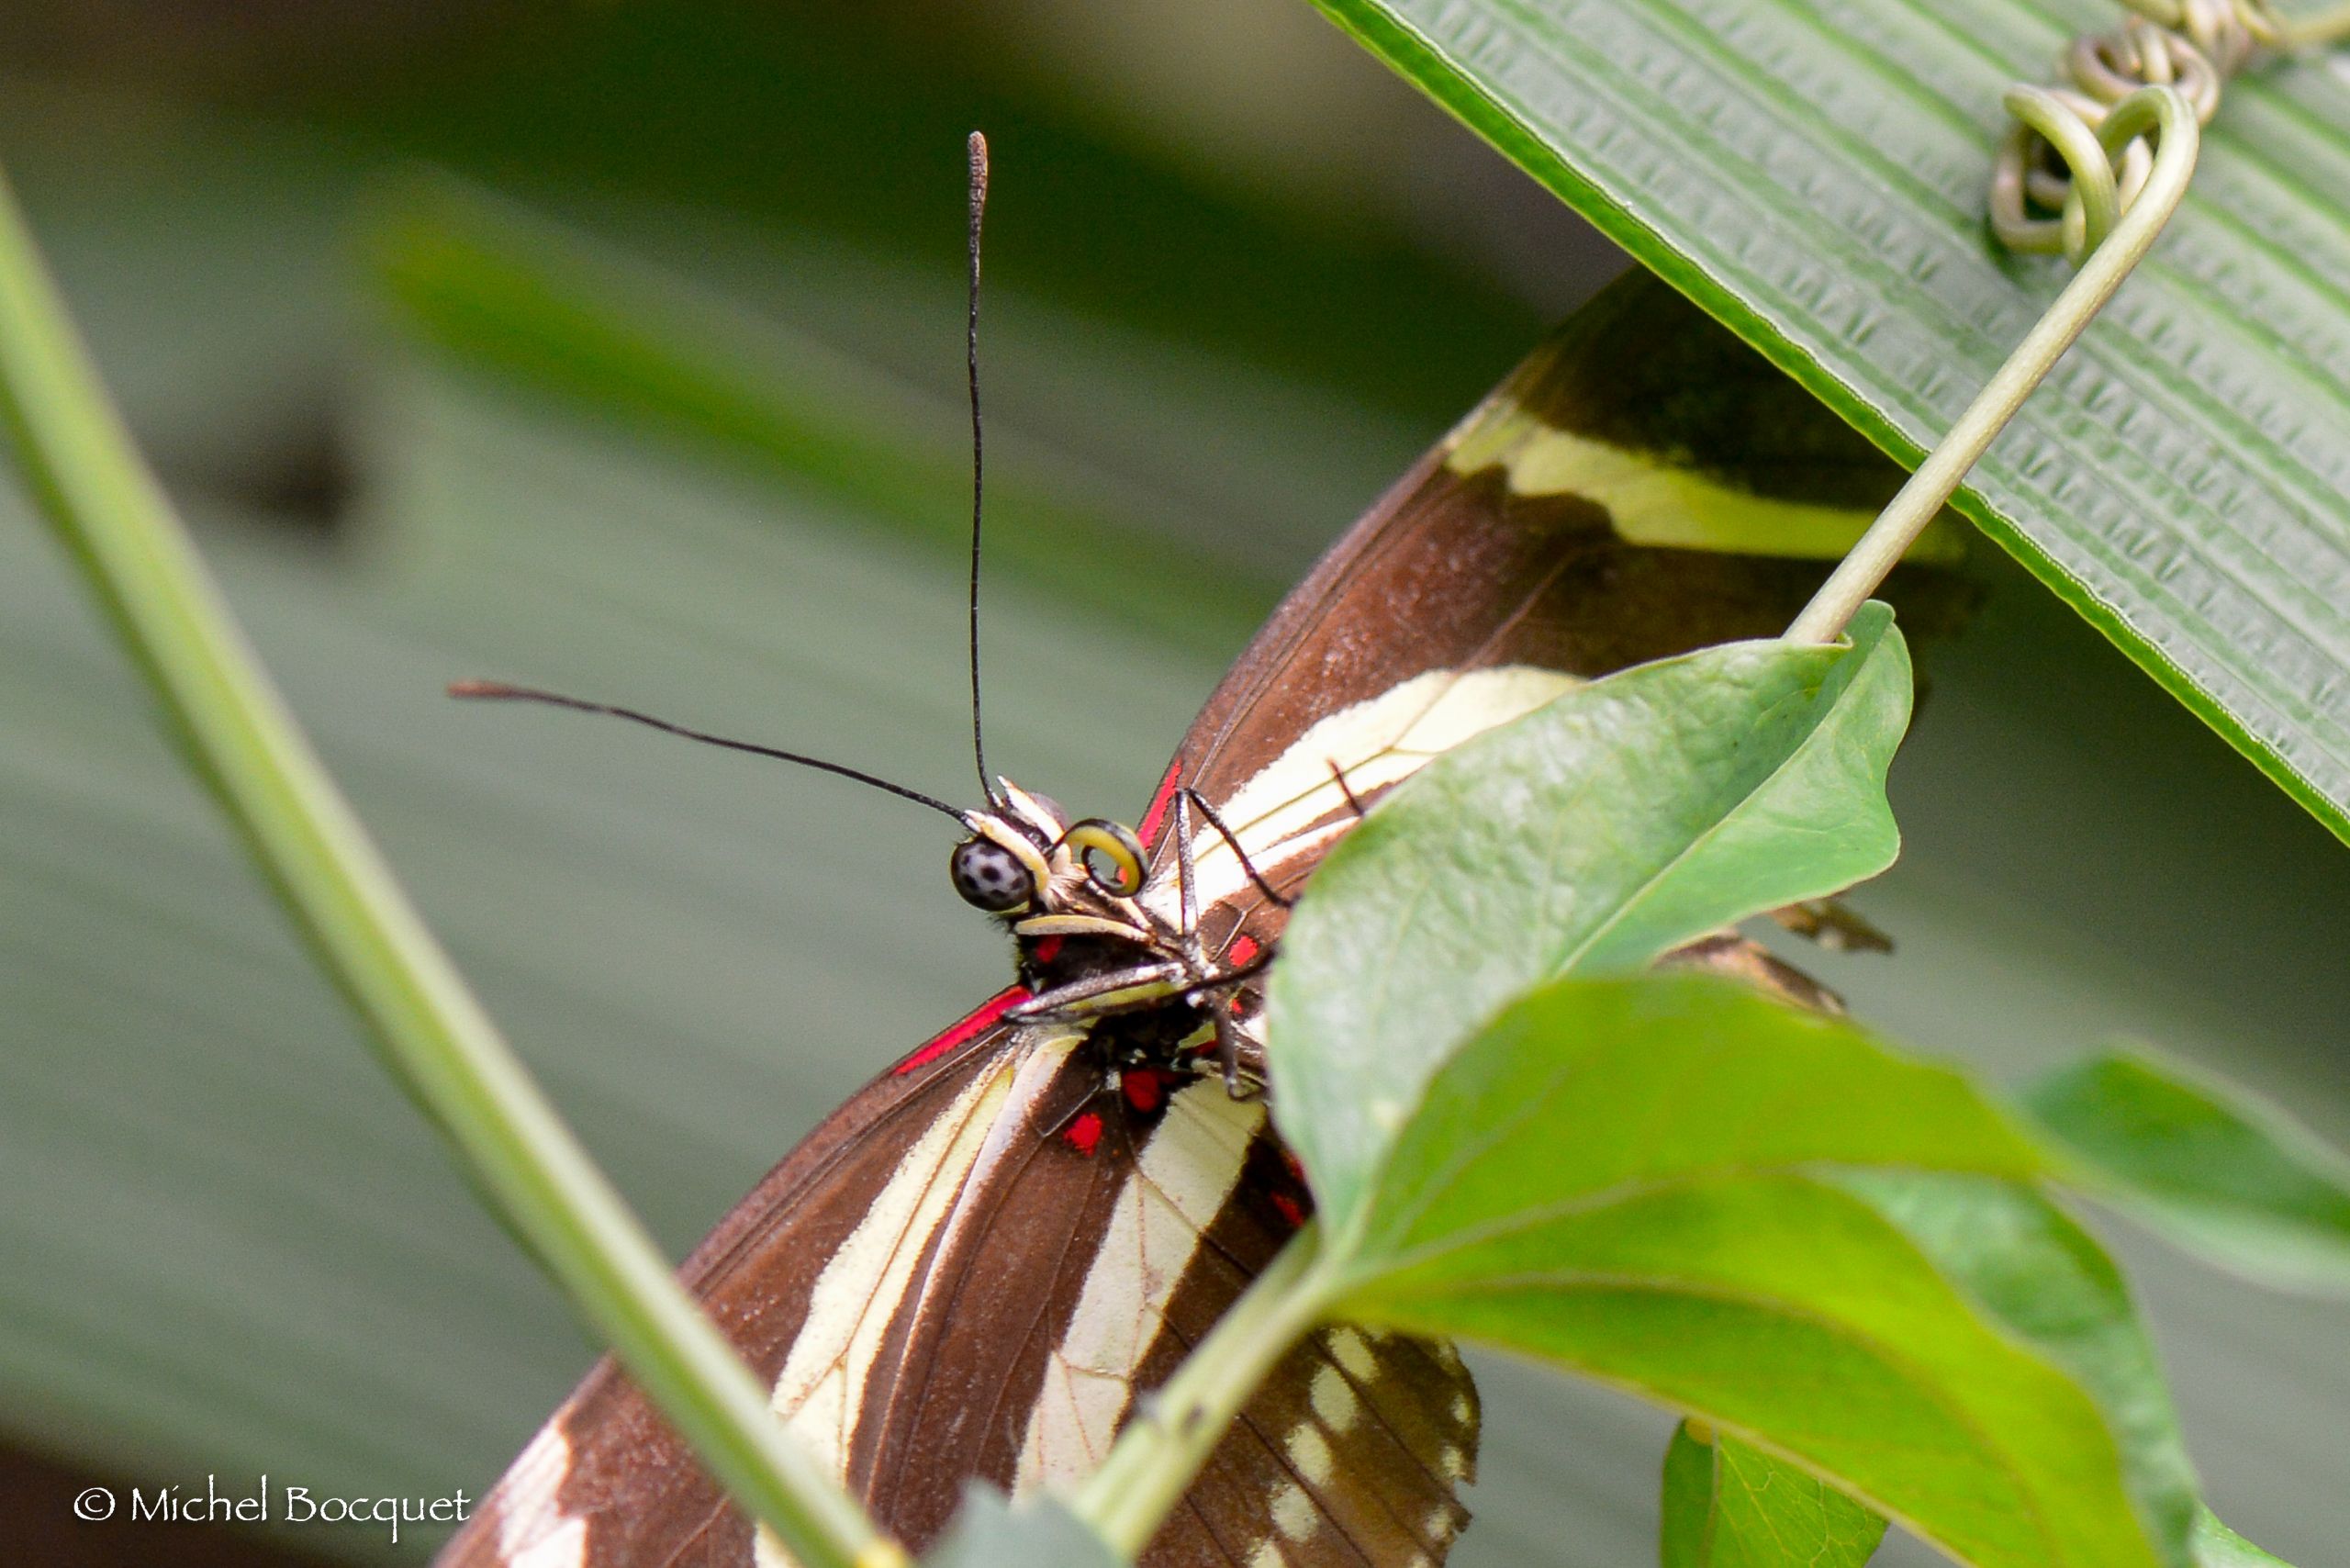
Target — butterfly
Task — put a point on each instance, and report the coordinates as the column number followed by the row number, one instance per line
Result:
column 976, row 1266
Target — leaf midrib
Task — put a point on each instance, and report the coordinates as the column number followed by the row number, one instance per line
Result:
column 1632, row 901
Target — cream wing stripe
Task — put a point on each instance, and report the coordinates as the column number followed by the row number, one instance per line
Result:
column 823, row 1381
column 1378, row 742
column 1655, row 501
column 1183, row 1177
column 533, row 1530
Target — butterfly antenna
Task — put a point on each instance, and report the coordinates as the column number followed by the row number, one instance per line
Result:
column 498, row 691
column 979, row 150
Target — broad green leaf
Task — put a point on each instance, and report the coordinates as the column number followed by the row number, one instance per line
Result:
column 1763, row 1218
column 2217, row 1546
column 1814, row 174
column 1625, row 818
column 1035, row 1533
column 1599, row 1090
column 2211, row 1166
column 1728, row 1505
column 2046, row 1282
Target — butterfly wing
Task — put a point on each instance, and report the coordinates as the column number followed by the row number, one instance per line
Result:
column 802, row 1275
column 1564, row 530
column 1046, row 1318
column 968, row 1271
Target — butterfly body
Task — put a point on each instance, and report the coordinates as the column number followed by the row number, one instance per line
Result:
column 1134, row 985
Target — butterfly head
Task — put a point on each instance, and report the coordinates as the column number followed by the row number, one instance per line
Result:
column 1025, row 860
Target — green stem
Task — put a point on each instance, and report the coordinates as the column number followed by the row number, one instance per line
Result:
column 1153, row 1462
column 1881, row 548
column 78, row 461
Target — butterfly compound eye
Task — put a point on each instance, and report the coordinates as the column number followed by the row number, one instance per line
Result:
column 988, row 876
column 1112, row 856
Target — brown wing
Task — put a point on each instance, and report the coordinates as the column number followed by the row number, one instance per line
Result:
column 1351, row 1450
column 1103, row 1254
column 605, row 1482
column 969, row 1271
column 1643, row 485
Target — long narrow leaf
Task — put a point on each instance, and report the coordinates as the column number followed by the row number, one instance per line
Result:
column 1813, row 173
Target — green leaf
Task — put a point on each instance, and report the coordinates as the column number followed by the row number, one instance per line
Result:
column 2223, row 1174
column 2044, row 1280
column 1763, row 1218
column 1604, row 1090
column 1729, row 1505
column 1035, row 1533
column 1815, row 176
column 2217, row 1546
column 1626, row 817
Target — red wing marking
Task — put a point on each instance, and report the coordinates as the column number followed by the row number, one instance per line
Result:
column 1145, row 1089
column 1156, row 818
column 1084, row 1134
column 1244, row 948
column 1048, row 948
column 977, row 1024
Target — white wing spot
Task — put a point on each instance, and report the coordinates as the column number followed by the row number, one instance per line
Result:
column 1333, row 1400
column 1310, row 1452
column 1439, row 1525
column 533, row 1531
column 1353, row 1352
column 1268, row 1555
column 1461, row 1410
column 1453, row 1463
column 1293, row 1512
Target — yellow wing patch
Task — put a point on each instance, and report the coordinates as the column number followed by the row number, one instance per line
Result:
column 1663, row 505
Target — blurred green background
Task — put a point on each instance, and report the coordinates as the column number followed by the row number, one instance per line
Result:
column 617, row 347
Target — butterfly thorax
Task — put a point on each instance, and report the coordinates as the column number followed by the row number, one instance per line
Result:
column 1090, row 952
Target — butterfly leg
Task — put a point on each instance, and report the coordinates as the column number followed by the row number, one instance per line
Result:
column 1119, row 990
column 1338, row 776
column 1193, row 798
column 1186, row 880
column 1242, row 1059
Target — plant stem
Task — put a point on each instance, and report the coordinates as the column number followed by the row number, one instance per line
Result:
column 78, row 461
column 1174, row 1432
column 1881, row 548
